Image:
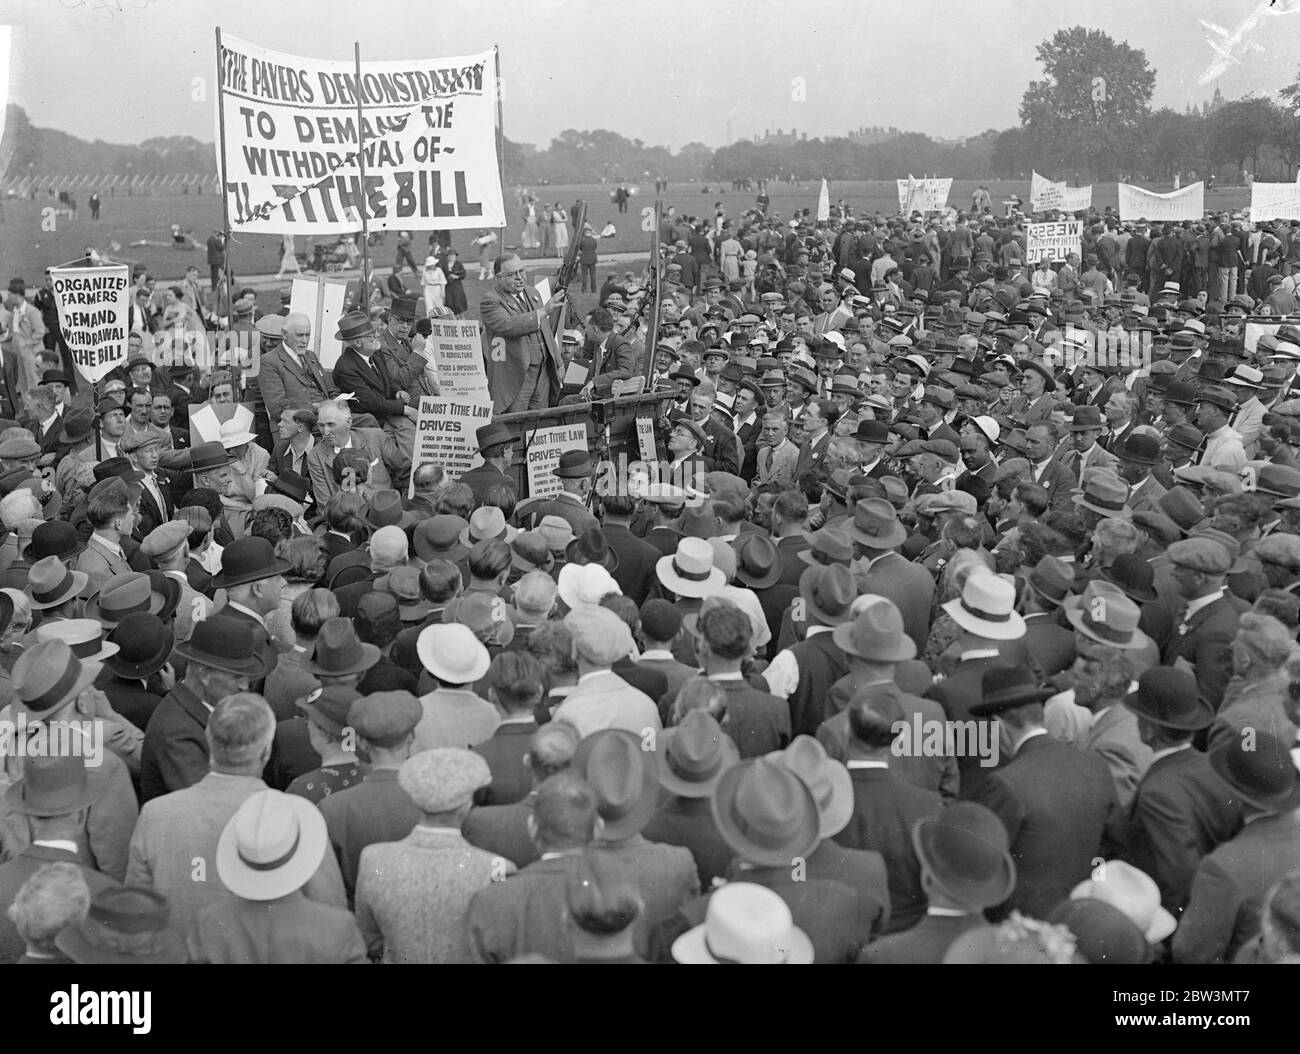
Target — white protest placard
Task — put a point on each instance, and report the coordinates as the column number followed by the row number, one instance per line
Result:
column 824, row 203
column 1137, row 204
column 321, row 300
column 291, row 163
column 444, row 435
column 457, row 352
column 544, row 449
column 1274, row 201
column 1053, row 241
column 1045, row 194
column 94, row 305
column 923, row 195
column 645, row 437
column 1255, row 330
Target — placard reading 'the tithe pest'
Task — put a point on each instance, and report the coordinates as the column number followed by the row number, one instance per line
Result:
column 457, row 352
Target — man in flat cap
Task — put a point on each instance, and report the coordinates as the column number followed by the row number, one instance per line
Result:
column 378, row 809
column 602, row 699
column 1207, row 622
column 167, row 545
column 413, row 896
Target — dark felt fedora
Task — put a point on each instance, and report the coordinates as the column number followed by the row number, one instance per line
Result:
column 248, row 559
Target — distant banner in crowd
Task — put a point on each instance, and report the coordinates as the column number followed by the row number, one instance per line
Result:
column 544, row 449
column 94, row 305
column 457, row 352
column 1044, row 194
column 1053, row 241
column 1274, row 201
column 824, row 203
column 291, row 164
column 1255, row 330
column 922, row 195
column 321, row 300
column 1137, row 204
column 444, row 434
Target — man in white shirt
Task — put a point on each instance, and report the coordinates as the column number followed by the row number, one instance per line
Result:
column 1223, row 446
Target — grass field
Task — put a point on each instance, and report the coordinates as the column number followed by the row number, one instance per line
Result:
column 26, row 249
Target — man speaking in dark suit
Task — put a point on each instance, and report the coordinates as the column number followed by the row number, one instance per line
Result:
column 523, row 367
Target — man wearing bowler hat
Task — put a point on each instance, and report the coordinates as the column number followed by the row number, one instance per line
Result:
column 576, row 472
column 1182, row 808
column 253, row 578
column 1138, row 455
column 221, row 659
column 497, row 445
column 379, row 383
column 1054, row 800
column 1231, row 883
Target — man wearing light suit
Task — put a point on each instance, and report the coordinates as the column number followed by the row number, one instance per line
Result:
column 776, row 454
column 523, row 368
column 291, row 376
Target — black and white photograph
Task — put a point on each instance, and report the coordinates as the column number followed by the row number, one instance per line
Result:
column 562, row 482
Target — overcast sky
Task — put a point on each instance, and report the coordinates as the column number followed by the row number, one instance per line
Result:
column 666, row 73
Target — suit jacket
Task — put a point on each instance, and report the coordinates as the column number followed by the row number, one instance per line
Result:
column 16, row 871
column 926, row 942
column 635, row 573
column 1051, row 644
column 480, row 480
column 376, row 810
column 1231, row 884
column 1113, row 735
column 291, row 929
column 178, row 830
column 689, row 823
column 388, row 464
column 511, row 341
column 504, row 753
column 1181, row 811
column 884, row 811
column 1055, row 802
column 955, row 694
column 151, row 514
column 1205, row 641
column 1059, row 481
column 573, row 512
column 289, row 384
column 100, row 563
column 374, row 385
column 617, row 358
column 175, row 752
column 758, row 722
column 664, row 538
column 665, row 876
column 788, row 549
column 413, row 896
column 811, row 455
column 1097, row 457
column 775, row 465
column 1146, row 497
column 525, row 913
column 503, row 830
column 908, row 585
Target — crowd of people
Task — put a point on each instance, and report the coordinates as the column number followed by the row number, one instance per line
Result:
column 957, row 624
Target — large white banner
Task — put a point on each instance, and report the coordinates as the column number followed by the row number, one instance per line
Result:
column 1138, row 204
column 291, row 164
column 1274, row 201
column 922, row 195
column 1044, row 194
column 94, row 306
column 1053, row 241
